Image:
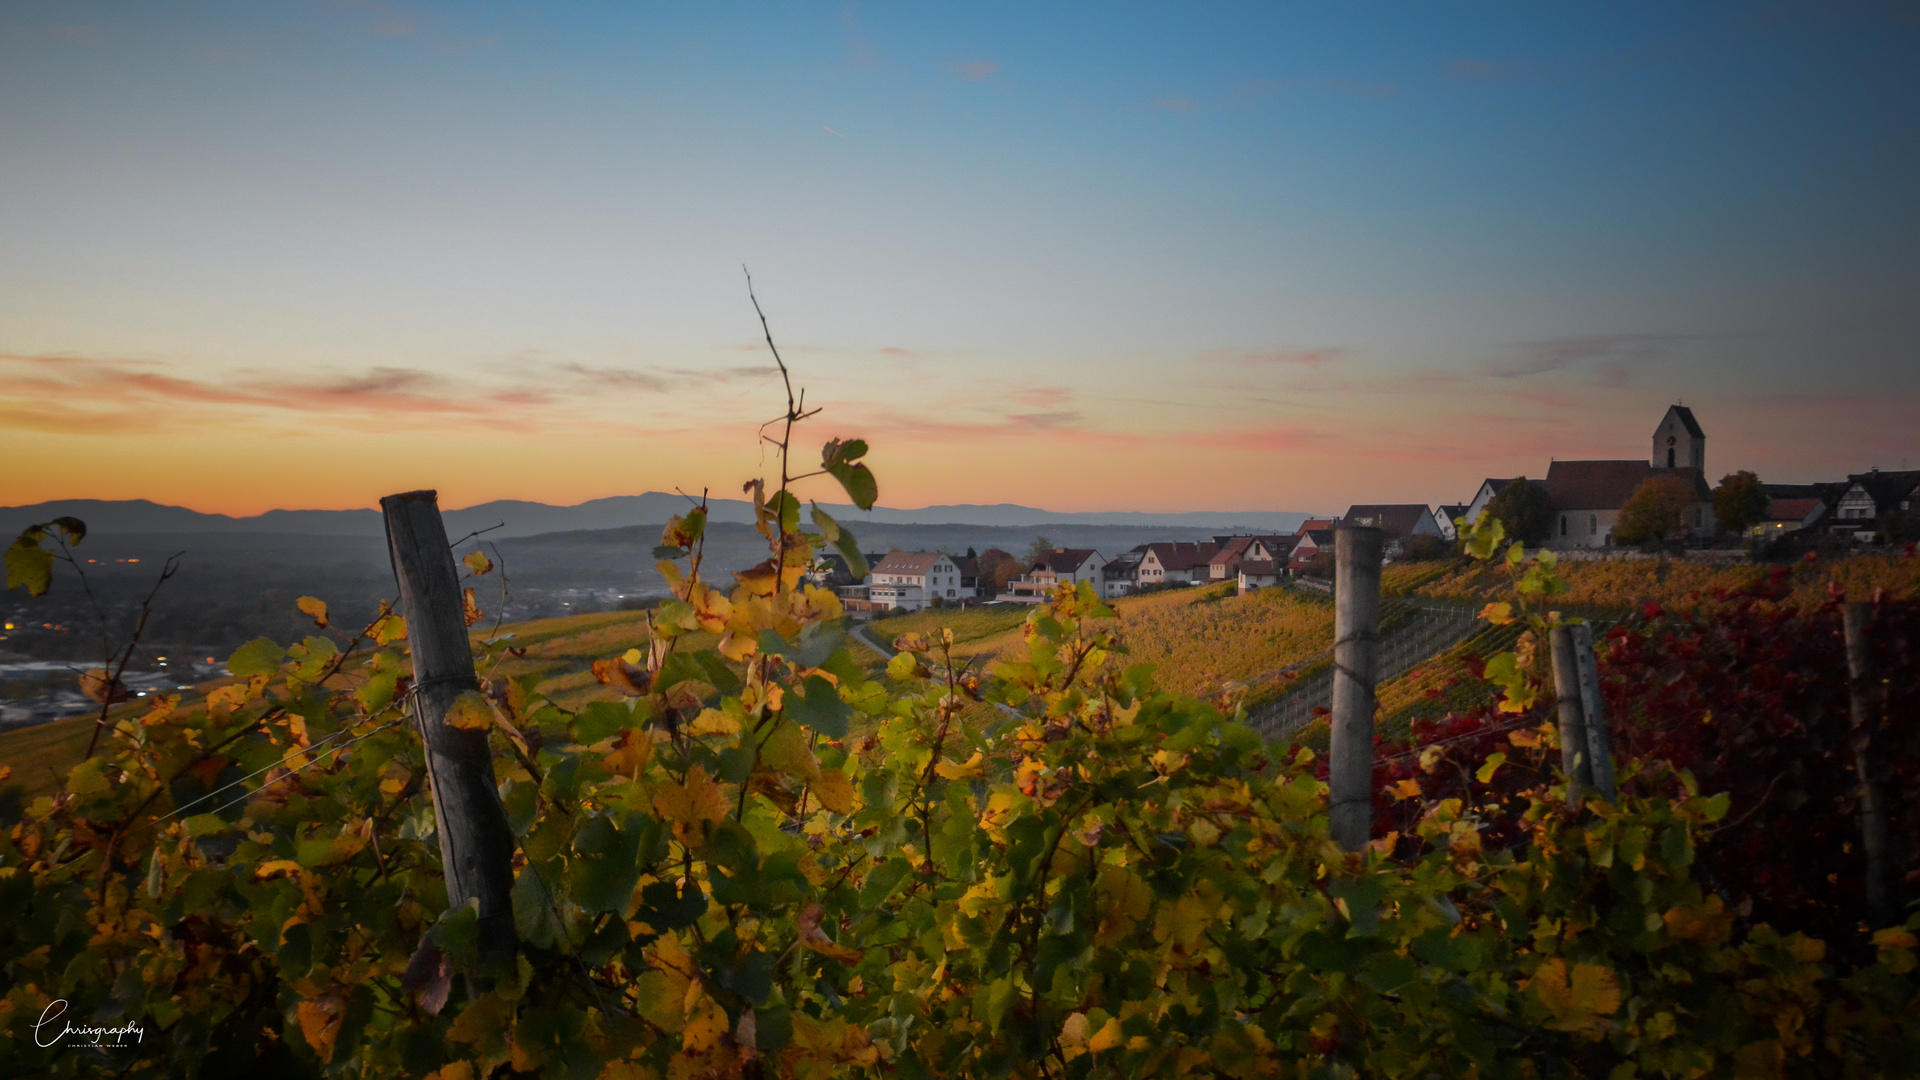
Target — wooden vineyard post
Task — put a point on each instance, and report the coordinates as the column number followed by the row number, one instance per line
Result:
column 1586, row 753
column 1864, row 694
column 1573, row 725
column 1593, row 712
column 476, row 843
column 1356, row 654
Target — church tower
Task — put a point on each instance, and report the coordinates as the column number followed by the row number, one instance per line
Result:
column 1678, row 443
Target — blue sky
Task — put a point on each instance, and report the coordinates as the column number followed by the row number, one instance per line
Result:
column 1085, row 256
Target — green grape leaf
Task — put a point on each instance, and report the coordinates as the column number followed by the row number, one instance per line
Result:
column 606, row 865
column 818, row 706
column 257, row 657
column 29, row 564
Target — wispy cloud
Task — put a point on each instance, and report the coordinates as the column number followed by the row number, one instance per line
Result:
column 1310, row 358
column 65, row 393
column 1614, row 354
column 1181, row 105
column 975, row 70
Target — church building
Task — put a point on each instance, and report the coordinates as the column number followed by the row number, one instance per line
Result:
column 1587, row 495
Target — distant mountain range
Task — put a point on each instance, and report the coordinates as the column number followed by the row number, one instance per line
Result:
column 521, row 518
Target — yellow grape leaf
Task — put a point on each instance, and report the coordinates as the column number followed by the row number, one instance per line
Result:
column 713, row 722
column 320, row 1024
column 1406, row 789
column 1073, row 1033
column 1108, row 1037
column 470, row 712
column 1577, row 998
column 834, row 791
column 315, row 607
column 614, row 672
column 789, row 750
column 631, row 752
column 389, row 629
column 634, row 657
column 1484, row 773
column 458, row 1070
column 163, row 710
column 1499, row 614
column 711, row 607
column 478, row 562
column 470, row 607
column 104, row 688
column 690, row 804
column 706, row 1023
column 275, row 868
column 5, row 772
column 973, row 768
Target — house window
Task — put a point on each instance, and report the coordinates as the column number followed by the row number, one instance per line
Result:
column 1563, row 524
column 1593, row 524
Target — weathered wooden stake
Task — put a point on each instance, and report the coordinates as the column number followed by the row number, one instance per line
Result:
column 1356, row 655
column 1573, row 724
column 1593, row 712
column 1864, row 690
column 476, row 843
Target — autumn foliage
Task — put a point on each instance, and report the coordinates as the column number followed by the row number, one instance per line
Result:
column 768, row 860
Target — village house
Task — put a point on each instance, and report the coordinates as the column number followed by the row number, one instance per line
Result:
column 1314, row 537
column 1876, row 503
column 1059, row 565
column 912, row 580
column 1231, row 551
column 1121, row 575
column 1260, row 574
column 1175, row 562
column 1785, row 515
column 1401, row 522
column 1445, row 516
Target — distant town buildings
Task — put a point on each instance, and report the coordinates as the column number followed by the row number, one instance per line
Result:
column 1587, row 499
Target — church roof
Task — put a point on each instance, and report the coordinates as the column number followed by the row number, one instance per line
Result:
column 1686, row 417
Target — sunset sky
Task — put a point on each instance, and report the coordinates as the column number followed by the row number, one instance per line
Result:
column 1095, row 256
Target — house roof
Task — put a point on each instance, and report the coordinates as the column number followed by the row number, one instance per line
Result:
column 1311, row 524
column 1258, row 567
column 1063, row 560
column 1280, row 546
column 1322, row 537
column 1825, row 492
column 1451, row 510
column 1595, row 485
column 1686, row 418
column 1792, row 509
column 1394, row 519
column 1607, row 485
column 909, row 562
column 1180, row 554
column 1887, row 488
column 1231, row 552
